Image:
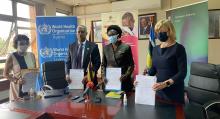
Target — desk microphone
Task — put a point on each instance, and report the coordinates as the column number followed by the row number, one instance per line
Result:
column 89, row 86
column 86, row 91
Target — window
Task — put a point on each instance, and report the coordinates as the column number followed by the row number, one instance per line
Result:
column 5, row 41
column 23, row 24
column 24, row 16
column 61, row 14
column 23, row 10
column 6, row 7
column 4, row 33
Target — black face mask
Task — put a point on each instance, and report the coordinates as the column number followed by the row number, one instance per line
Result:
column 162, row 36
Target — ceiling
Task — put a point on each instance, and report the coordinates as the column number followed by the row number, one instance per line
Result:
column 85, row 2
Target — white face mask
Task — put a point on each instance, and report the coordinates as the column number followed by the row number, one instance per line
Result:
column 113, row 39
column 22, row 48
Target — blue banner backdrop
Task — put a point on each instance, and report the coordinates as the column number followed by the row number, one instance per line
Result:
column 54, row 34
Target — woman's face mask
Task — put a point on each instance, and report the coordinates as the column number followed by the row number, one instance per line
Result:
column 162, row 36
column 22, row 47
column 113, row 39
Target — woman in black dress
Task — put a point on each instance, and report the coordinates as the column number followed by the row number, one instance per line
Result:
column 118, row 55
column 169, row 64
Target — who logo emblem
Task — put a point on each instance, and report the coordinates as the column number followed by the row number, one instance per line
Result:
column 44, row 29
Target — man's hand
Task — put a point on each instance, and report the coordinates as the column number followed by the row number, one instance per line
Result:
column 68, row 79
column 85, row 80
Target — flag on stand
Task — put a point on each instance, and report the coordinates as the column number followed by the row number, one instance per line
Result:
column 150, row 48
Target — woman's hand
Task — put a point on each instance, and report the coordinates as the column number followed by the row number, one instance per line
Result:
column 123, row 78
column 145, row 71
column 159, row 86
column 162, row 85
column 21, row 81
column 135, row 83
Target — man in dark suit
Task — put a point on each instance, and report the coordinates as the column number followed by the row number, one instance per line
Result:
column 144, row 26
column 81, row 53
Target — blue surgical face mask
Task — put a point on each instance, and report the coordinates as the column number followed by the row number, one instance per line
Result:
column 162, row 36
column 113, row 39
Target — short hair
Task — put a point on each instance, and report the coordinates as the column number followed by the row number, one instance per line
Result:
column 128, row 15
column 167, row 24
column 116, row 28
column 144, row 18
column 82, row 26
column 20, row 37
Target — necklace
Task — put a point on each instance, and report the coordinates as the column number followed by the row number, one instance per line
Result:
column 167, row 44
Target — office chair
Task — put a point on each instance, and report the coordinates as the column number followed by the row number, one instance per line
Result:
column 211, row 110
column 203, row 91
column 54, row 74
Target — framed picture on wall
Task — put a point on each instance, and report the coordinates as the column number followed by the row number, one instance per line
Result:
column 97, row 31
column 144, row 24
column 214, row 24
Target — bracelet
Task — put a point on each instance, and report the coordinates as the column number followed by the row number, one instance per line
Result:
column 168, row 84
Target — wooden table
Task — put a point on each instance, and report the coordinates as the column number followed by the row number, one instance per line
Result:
column 64, row 108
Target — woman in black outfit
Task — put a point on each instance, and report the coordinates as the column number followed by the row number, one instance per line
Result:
column 169, row 64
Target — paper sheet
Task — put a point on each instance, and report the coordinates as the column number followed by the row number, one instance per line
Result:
column 76, row 76
column 144, row 94
column 113, row 75
column 30, row 80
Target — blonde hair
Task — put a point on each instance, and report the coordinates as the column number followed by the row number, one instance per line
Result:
column 168, row 25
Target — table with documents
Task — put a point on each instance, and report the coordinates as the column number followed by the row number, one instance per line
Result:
column 64, row 107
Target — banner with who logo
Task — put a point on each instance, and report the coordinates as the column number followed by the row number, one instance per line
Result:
column 54, row 35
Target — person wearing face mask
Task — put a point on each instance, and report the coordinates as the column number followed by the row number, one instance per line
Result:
column 128, row 24
column 169, row 64
column 15, row 62
column 117, row 54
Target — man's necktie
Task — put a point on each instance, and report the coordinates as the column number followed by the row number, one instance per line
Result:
column 79, row 57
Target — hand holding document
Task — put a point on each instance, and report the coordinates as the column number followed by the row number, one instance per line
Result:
column 144, row 94
column 113, row 75
column 76, row 77
column 29, row 76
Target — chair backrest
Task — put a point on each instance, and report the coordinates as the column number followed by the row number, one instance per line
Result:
column 54, row 74
column 204, row 83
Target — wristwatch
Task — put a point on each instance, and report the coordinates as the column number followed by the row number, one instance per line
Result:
column 168, row 83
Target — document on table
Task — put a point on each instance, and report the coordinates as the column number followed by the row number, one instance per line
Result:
column 113, row 94
column 113, row 75
column 76, row 77
column 29, row 77
column 144, row 94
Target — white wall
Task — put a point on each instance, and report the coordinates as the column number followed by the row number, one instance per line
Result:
column 52, row 5
column 93, row 12
column 214, row 44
